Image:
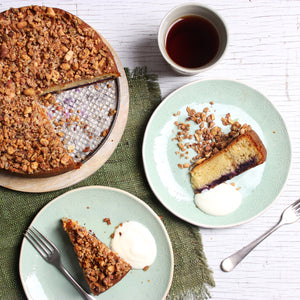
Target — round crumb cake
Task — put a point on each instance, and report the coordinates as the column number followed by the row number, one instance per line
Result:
column 43, row 50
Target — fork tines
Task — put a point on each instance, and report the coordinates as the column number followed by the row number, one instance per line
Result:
column 296, row 206
column 39, row 242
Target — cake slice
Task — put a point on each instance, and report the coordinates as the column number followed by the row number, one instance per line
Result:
column 101, row 267
column 29, row 145
column 45, row 49
column 242, row 153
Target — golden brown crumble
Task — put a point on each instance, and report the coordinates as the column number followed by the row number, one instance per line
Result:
column 208, row 139
column 112, row 112
column 104, row 132
column 146, row 268
column 28, row 142
column 107, row 221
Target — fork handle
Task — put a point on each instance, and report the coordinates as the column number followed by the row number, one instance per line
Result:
column 83, row 293
column 229, row 263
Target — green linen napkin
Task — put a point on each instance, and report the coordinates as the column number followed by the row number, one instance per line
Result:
column 124, row 170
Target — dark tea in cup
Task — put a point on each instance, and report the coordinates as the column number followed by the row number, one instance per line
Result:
column 192, row 41
column 192, row 38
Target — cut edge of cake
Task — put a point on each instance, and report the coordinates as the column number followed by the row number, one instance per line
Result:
column 102, row 268
column 243, row 153
column 78, row 84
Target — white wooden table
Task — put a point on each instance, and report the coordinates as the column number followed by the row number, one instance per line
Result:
column 263, row 52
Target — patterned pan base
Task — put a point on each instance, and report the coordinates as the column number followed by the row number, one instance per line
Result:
column 83, row 117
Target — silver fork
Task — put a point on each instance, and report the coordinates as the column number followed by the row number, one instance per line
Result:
column 50, row 254
column 290, row 215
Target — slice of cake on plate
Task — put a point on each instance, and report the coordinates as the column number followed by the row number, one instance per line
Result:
column 28, row 143
column 102, row 267
column 242, row 153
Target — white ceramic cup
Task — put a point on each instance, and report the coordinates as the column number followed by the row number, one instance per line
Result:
column 189, row 9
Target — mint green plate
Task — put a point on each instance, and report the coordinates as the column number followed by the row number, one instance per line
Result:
column 89, row 206
column 259, row 186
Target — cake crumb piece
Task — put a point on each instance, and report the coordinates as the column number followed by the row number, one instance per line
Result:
column 112, row 112
column 107, row 221
column 86, row 149
column 70, row 148
column 104, row 133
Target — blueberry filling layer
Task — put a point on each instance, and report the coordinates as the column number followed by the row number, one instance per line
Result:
column 240, row 169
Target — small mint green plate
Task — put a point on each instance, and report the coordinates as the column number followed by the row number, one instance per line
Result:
column 89, row 206
column 259, row 186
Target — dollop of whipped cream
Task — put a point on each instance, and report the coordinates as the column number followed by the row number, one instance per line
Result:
column 221, row 200
column 135, row 244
